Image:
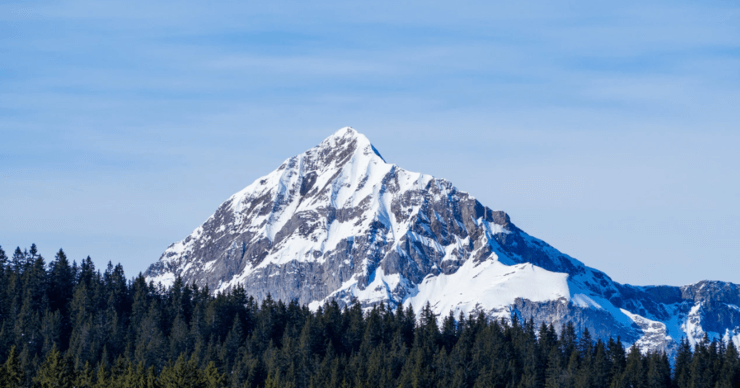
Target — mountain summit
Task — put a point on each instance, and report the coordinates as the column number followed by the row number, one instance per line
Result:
column 338, row 222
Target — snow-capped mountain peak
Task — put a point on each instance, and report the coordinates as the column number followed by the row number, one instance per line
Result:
column 338, row 222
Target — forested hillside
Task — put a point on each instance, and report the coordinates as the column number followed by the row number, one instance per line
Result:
column 65, row 324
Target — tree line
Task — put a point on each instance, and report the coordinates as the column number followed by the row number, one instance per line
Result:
column 65, row 324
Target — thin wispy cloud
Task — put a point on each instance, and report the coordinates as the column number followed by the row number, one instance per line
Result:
column 563, row 115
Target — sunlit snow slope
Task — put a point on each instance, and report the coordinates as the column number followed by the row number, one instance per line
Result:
column 339, row 223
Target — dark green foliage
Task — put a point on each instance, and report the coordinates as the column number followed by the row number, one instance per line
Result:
column 55, row 372
column 11, row 373
column 71, row 325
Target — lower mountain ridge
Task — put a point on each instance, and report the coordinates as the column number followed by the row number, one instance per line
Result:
column 339, row 223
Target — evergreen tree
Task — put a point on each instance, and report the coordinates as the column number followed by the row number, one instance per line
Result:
column 61, row 282
column 85, row 377
column 449, row 332
column 659, row 371
column 729, row 375
column 635, row 372
column 682, row 368
column 601, row 366
column 50, row 330
column 617, row 358
column 3, row 280
column 182, row 374
column 701, row 374
column 11, row 373
column 18, row 260
column 3, row 258
column 555, row 376
column 32, row 255
column 55, row 372
column 150, row 347
column 211, row 377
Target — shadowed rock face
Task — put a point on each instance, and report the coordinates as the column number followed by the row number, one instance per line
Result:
column 338, row 222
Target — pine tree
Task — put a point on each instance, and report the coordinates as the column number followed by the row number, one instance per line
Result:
column 701, row 376
column 3, row 258
column 211, row 377
column 151, row 348
column 34, row 304
column 4, row 300
column 554, row 376
column 601, row 366
column 635, row 372
column 81, row 311
column 532, row 365
column 33, row 254
column 181, row 374
column 568, row 340
column 659, row 371
column 232, row 342
column 3, row 281
column 102, row 377
column 12, row 373
column 729, row 375
column 179, row 339
column 50, row 330
column 55, row 372
column 18, row 260
column 85, row 377
column 152, row 380
column 617, row 358
column 449, row 332
column 682, row 367
column 61, row 287
column 61, row 281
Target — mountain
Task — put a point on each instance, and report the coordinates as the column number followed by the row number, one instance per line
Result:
column 339, row 222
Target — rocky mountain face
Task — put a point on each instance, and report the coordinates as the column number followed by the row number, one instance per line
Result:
column 338, row 222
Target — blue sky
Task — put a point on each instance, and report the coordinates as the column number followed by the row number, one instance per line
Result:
column 609, row 129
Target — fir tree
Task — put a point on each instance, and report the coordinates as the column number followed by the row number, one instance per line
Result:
column 85, row 377
column 211, row 377
column 182, row 374
column 701, row 373
column 11, row 373
column 659, row 371
column 18, row 260
column 635, row 372
column 55, row 372
column 729, row 375
column 3, row 258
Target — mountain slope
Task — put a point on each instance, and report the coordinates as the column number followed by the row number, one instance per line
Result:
column 338, row 222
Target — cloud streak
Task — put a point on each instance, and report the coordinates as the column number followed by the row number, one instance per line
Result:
column 567, row 116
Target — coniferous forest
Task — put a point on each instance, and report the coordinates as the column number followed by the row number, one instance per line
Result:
column 65, row 324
